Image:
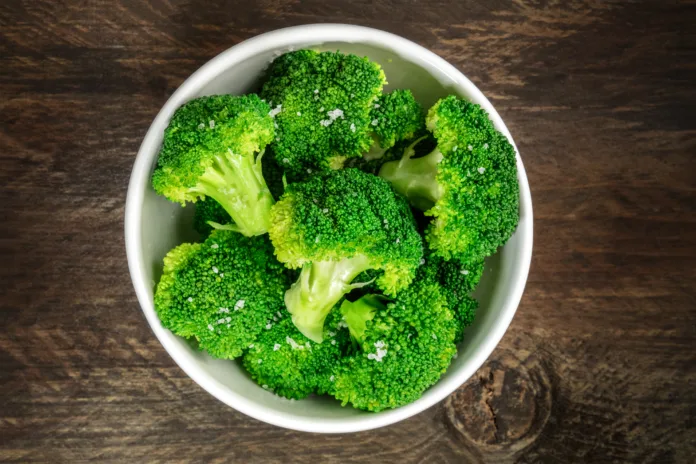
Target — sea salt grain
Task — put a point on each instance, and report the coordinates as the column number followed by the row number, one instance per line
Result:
column 293, row 344
column 381, row 353
column 274, row 112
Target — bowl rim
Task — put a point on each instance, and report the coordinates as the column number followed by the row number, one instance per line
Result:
column 139, row 181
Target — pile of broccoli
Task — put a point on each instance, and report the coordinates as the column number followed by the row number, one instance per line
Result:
column 343, row 229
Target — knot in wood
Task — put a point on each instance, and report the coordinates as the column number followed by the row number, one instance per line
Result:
column 505, row 405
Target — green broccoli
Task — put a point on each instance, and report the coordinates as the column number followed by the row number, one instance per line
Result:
column 397, row 119
column 468, row 183
column 336, row 226
column 457, row 280
column 209, row 211
column 286, row 362
column 222, row 292
column 405, row 346
column 321, row 104
column 210, row 214
column 209, row 150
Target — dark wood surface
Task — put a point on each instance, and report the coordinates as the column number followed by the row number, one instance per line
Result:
column 599, row 364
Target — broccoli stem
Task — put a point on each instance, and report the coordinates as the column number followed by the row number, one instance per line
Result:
column 236, row 182
column 320, row 286
column 358, row 313
column 416, row 179
column 376, row 150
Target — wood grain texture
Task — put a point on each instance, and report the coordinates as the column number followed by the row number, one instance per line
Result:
column 599, row 364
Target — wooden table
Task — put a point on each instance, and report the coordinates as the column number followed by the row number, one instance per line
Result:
column 599, row 364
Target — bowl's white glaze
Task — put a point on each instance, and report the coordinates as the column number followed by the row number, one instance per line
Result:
column 153, row 225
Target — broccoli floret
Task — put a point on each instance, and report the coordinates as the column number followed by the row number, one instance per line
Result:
column 336, row 226
column 457, row 280
column 468, row 183
column 406, row 345
column 286, row 362
column 321, row 104
column 209, row 211
column 397, row 119
column 209, row 150
column 223, row 291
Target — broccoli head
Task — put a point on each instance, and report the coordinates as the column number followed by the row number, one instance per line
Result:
column 209, row 213
column 288, row 363
column 405, row 346
column 222, row 292
column 210, row 150
column 397, row 118
column 321, row 104
column 336, row 226
column 457, row 280
column 468, row 183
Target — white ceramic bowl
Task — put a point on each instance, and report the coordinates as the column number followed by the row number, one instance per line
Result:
column 153, row 225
